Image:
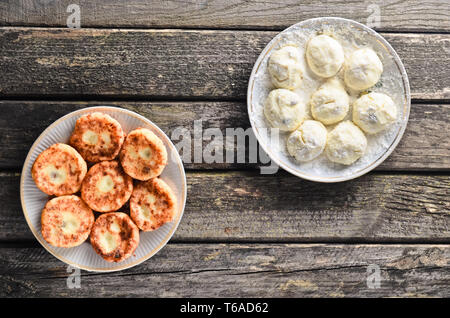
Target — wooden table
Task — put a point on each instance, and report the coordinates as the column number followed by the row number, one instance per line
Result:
column 243, row 233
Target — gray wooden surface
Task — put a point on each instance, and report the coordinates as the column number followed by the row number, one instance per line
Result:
column 406, row 16
column 172, row 64
column 243, row 233
column 246, row 270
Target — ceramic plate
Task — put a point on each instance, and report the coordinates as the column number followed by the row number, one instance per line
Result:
column 83, row 256
column 394, row 82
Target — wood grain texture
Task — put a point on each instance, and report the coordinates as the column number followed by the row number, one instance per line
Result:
column 208, row 71
column 182, row 64
column 415, row 15
column 246, row 206
column 230, row 270
column 425, row 144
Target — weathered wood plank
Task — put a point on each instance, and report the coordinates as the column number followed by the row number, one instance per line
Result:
column 425, row 145
column 172, row 63
column 232, row 270
column 246, row 206
column 430, row 15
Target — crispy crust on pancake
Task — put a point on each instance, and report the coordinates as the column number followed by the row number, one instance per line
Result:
column 59, row 170
column 143, row 155
column 106, row 187
column 152, row 204
column 114, row 236
column 97, row 137
column 66, row 221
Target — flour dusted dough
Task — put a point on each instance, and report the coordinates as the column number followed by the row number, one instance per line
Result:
column 363, row 69
column 324, row 55
column 346, row 143
column 330, row 103
column 284, row 109
column 308, row 141
column 374, row 112
column 284, row 67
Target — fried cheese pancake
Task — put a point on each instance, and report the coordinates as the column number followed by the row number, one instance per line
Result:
column 152, row 204
column 143, row 155
column 97, row 137
column 66, row 221
column 106, row 187
column 114, row 236
column 59, row 170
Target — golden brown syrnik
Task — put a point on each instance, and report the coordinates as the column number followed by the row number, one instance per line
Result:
column 97, row 137
column 66, row 221
column 143, row 155
column 59, row 170
column 152, row 204
column 106, row 187
column 114, row 236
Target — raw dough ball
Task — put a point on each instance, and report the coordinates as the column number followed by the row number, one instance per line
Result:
column 346, row 143
column 325, row 55
column 284, row 109
column 330, row 103
column 374, row 112
column 363, row 69
column 308, row 141
column 285, row 69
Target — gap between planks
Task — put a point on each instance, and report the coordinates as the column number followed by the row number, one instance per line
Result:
column 199, row 29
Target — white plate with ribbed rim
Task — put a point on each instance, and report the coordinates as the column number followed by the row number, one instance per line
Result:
column 84, row 256
column 394, row 82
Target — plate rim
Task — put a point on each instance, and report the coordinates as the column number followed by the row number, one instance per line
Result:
column 153, row 251
column 373, row 164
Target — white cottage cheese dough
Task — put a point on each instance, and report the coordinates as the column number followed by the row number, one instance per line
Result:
column 324, row 55
column 285, row 68
column 284, row 109
column 330, row 103
column 308, row 141
column 374, row 112
column 363, row 69
column 346, row 143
